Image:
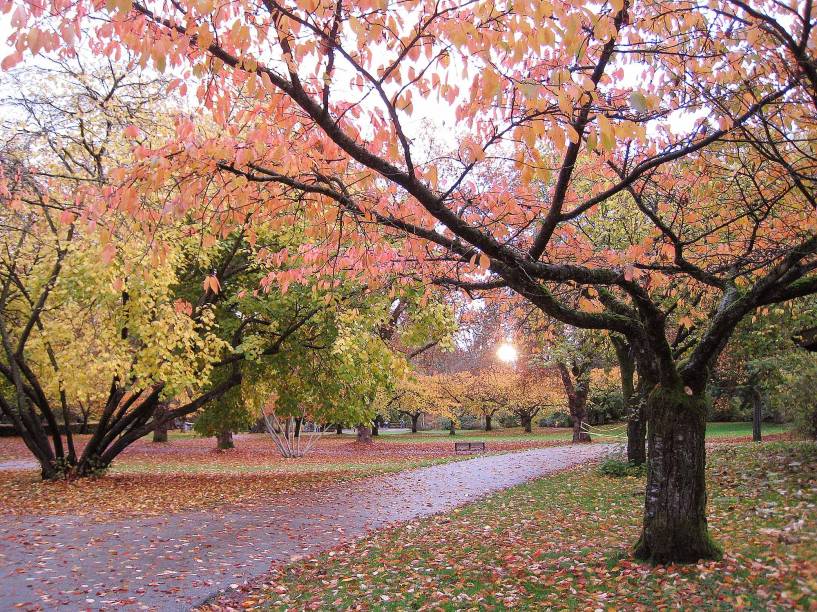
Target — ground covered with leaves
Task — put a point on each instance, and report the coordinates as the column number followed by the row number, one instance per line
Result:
column 188, row 473
column 563, row 543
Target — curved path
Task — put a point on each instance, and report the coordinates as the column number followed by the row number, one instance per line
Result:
column 175, row 562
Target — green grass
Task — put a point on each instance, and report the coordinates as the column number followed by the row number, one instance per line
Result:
column 741, row 429
column 563, row 543
column 611, row 431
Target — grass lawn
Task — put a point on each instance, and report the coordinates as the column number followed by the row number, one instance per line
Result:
column 562, row 543
column 604, row 433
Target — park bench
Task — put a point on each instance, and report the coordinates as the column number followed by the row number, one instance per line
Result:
column 468, row 447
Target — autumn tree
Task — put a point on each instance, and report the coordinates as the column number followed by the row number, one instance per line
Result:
column 708, row 142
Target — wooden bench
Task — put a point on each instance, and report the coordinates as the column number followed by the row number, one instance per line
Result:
column 468, row 447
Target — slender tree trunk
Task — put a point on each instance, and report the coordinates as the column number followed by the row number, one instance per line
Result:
column 577, row 398
column 675, row 527
column 364, row 434
column 225, row 439
column 414, row 419
column 633, row 402
column 757, row 415
column 376, row 426
column 160, row 432
column 488, row 426
column 298, row 422
column 637, row 425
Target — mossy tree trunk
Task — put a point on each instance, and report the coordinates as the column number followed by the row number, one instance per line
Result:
column 675, row 527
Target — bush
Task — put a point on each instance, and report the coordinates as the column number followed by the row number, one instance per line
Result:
column 509, row 420
column 617, row 468
column 605, row 406
column 557, row 419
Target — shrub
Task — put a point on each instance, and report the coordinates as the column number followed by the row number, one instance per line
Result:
column 557, row 419
column 605, row 406
column 617, row 468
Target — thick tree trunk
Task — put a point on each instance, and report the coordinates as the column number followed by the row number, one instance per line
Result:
column 488, row 426
column 580, row 434
column 451, row 430
column 376, row 426
column 675, row 527
column 527, row 423
column 414, row 419
column 298, row 422
column 225, row 439
column 160, row 432
column 364, row 434
column 339, row 429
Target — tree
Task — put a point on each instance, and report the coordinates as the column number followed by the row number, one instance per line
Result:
column 222, row 417
column 728, row 197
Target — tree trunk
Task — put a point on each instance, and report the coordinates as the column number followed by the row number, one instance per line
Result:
column 577, row 397
column 376, row 426
column 488, row 426
column 580, row 434
column 339, row 429
column 414, row 419
column 633, row 402
column 225, row 439
column 675, row 527
column 757, row 415
column 637, row 427
column 527, row 423
column 364, row 434
column 451, row 430
column 160, row 432
column 298, row 422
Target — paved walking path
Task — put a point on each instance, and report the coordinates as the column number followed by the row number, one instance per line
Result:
column 175, row 562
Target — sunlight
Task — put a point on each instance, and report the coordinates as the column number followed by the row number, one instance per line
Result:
column 507, row 352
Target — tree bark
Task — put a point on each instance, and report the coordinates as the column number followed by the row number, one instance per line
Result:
column 637, row 425
column 577, row 398
column 488, row 426
column 414, row 419
column 364, row 434
column 160, row 432
column 527, row 423
column 225, row 439
column 339, row 429
column 675, row 527
column 633, row 402
column 451, row 430
column 298, row 422
column 376, row 426
column 757, row 415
